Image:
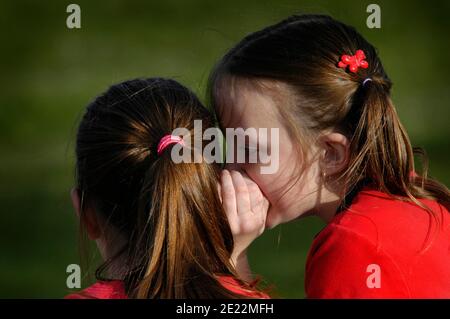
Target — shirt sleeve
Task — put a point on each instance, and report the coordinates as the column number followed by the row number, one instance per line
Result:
column 345, row 264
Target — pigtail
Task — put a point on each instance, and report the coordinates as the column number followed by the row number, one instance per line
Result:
column 186, row 244
column 384, row 156
column 378, row 140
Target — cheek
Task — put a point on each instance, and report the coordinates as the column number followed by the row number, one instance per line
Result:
column 289, row 191
column 264, row 181
column 274, row 185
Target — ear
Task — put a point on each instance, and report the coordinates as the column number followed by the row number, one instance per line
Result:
column 336, row 147
column 88, row 218
column 76, row 202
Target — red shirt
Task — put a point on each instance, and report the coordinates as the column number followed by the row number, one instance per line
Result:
column 115, row 290
column 378, row 248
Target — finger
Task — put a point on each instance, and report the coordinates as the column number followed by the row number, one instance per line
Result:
column 243, row 205
column 219, row 191
column 266, row 205
column 228, row 195
column 260, row 204
column 256, row 196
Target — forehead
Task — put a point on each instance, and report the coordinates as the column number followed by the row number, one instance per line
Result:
column 247, row 103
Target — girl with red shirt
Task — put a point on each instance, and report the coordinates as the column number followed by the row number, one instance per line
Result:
column 344, row 156
column 159, row 225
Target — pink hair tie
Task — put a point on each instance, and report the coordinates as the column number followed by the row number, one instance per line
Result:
column 168, row 140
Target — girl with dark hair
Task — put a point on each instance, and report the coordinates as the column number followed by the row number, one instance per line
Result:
column 159, row 225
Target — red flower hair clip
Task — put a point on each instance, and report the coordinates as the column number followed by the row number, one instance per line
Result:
column 354, row 62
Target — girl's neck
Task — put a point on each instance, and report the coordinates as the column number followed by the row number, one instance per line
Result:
column 112, row 250
column 327, row 210
column 329, row 204
column 117, row 271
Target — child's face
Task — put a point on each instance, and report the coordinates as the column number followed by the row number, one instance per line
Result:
column 289, row 199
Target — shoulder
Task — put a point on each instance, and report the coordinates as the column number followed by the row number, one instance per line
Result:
column 377, row 232
column 101, row 290
column 343, row 263
column 390, row 222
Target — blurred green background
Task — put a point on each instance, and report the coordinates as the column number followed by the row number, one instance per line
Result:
column 49, row 73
